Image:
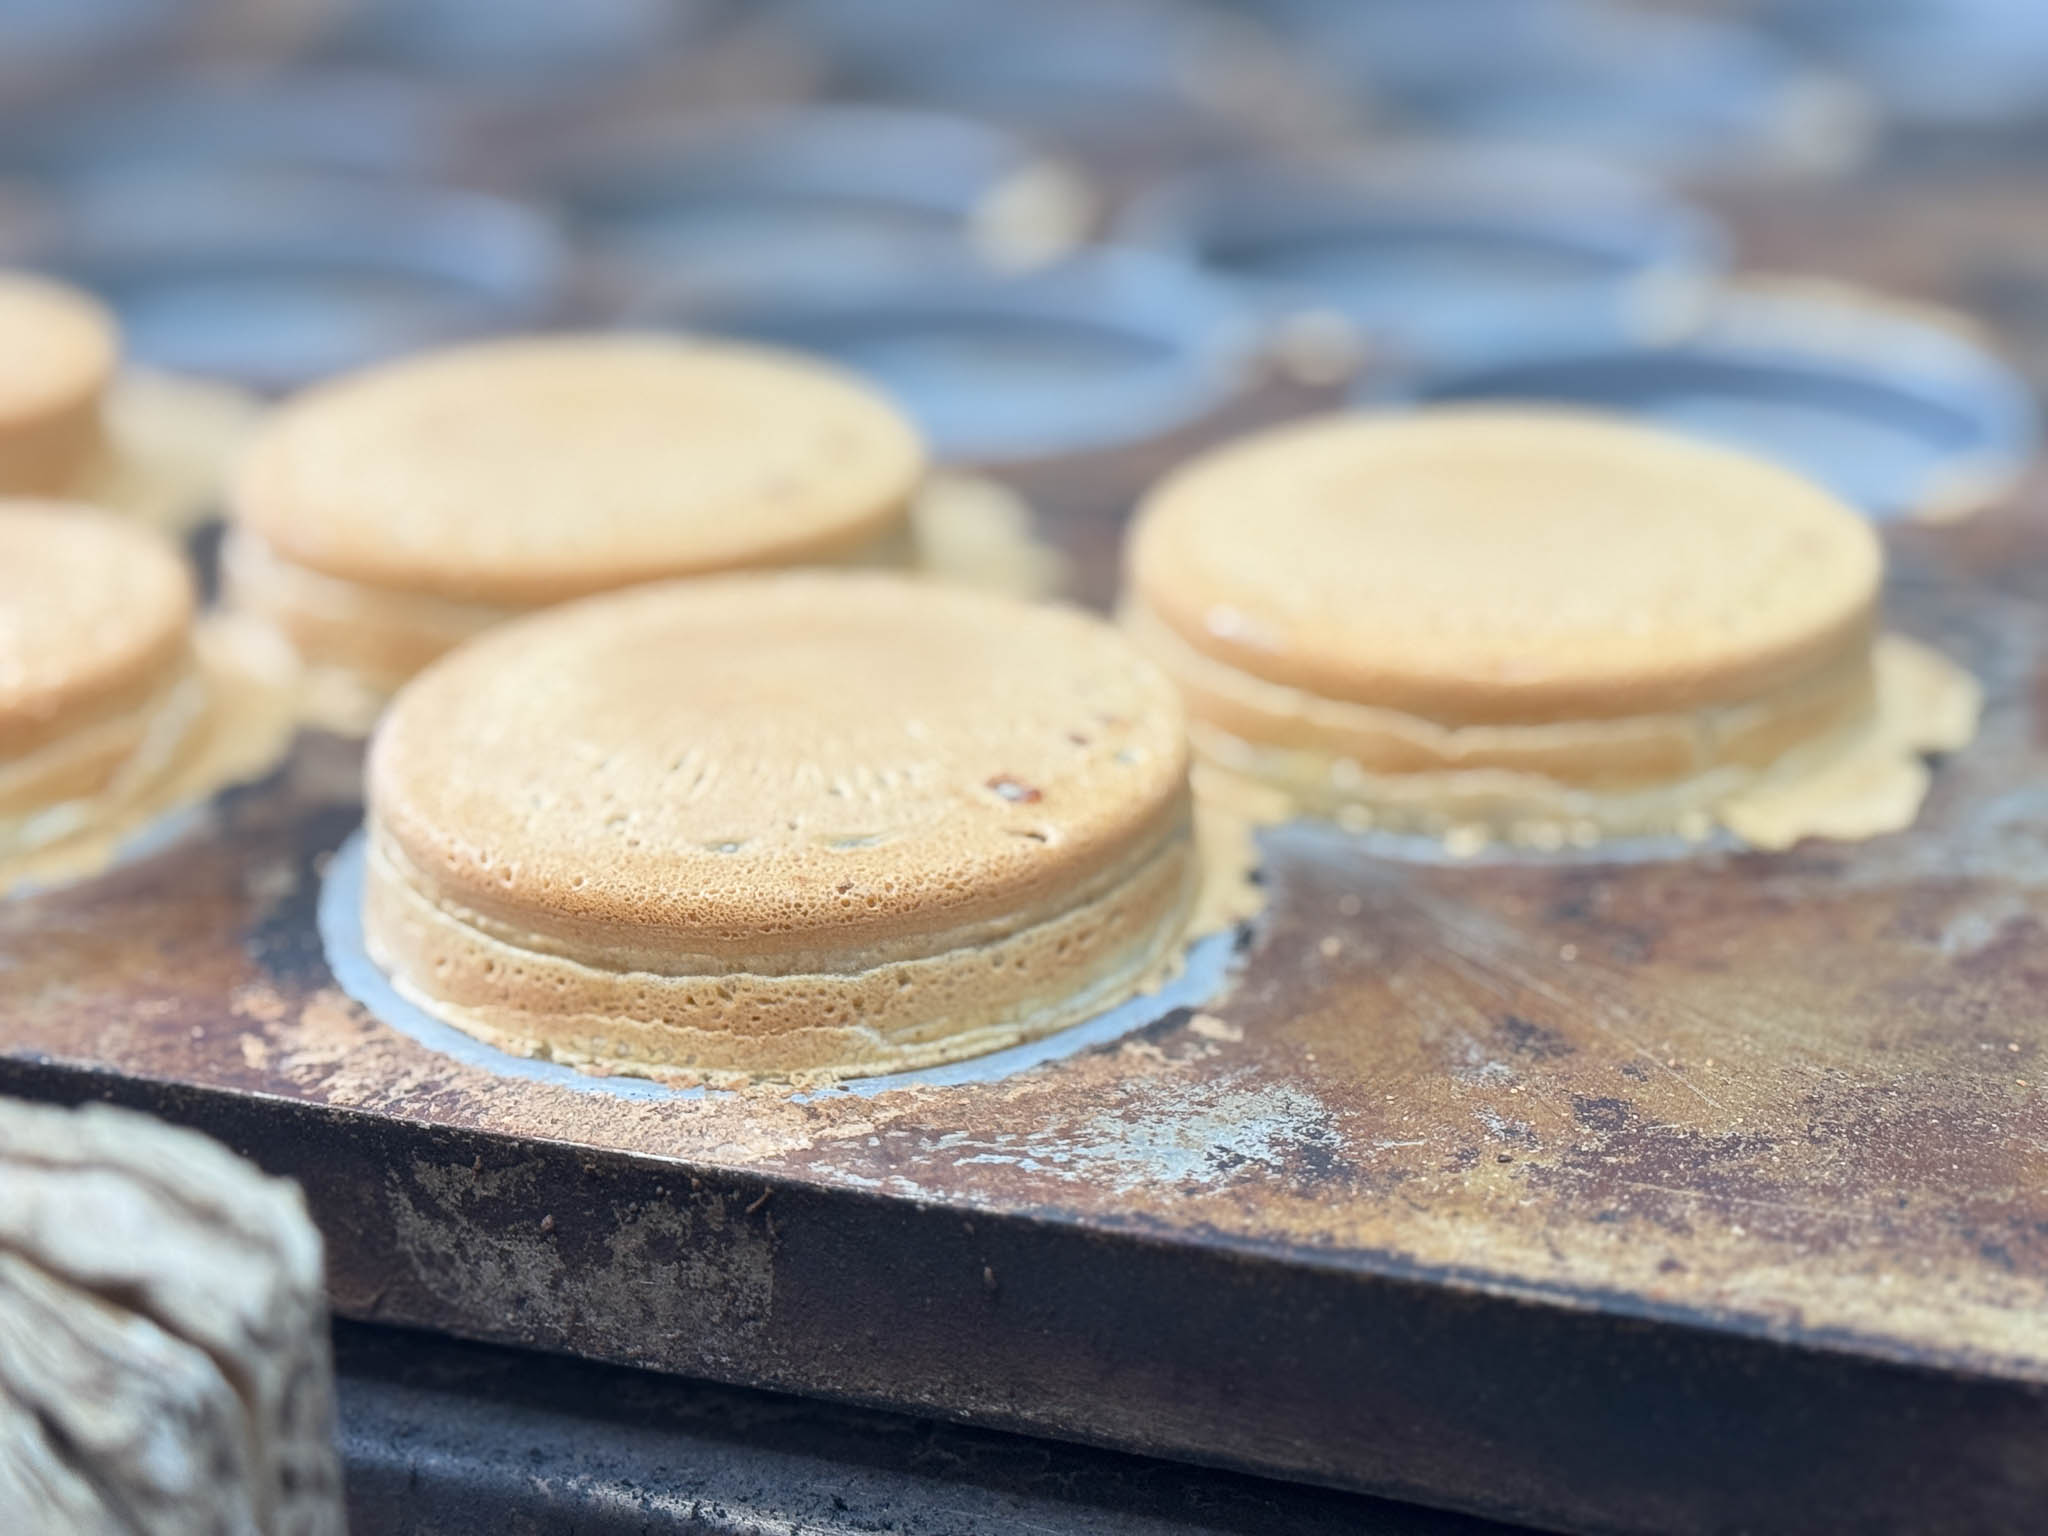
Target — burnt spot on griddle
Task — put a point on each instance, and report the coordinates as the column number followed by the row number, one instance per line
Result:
column 1527, row 1038
column 1158, row 1032
column 1605, row 1115
column 283, row 936
column 1673, row 1177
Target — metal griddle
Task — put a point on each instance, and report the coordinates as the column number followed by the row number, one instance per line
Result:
column 1706, row 1194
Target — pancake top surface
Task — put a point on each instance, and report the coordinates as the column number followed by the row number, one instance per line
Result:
column 57, row 347
column 92, row 609
column 1504, row 565
column 791, row 761
column 532, row 470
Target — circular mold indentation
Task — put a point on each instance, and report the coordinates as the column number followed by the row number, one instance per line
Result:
column 1315, row 837
column 1451, row 258
column 1130, row 88
column 1932, row 63
column 1102, row 351
column 54, row 45
column 520, row 44
column 274, row 280
column 1205, row 969
column 1651, row 88
column 830, row 189
column 1900, row 416
column 341, row 122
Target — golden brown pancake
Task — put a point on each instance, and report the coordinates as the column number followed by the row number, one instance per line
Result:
column 149, row 444
column 382, row 517
column 95, row 632
column 1532, row 622
column 793, row 823
column 57, row 354
column 114, row 706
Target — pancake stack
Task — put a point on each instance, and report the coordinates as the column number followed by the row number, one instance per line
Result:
column 1517, row 624
column 798, row 823
column 115, row 707
column 383, row 518
column 76, row 424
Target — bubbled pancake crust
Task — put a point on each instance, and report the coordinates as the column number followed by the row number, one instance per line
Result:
column 529, row 471
column 58, row 349
column 778, row 773
column 1504, row 566
column 95, row 615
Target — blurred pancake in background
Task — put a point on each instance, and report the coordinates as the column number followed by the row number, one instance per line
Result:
column 384, row 517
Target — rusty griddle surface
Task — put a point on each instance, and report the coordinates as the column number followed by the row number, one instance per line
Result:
column 1679, row 1196
column 1698, row 1196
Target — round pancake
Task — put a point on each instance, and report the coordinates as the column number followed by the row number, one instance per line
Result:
column 1505, row 566
column 524, row 472
column 58, row 349
column 95, row 620
column 780, row 823
column 1521, row 618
